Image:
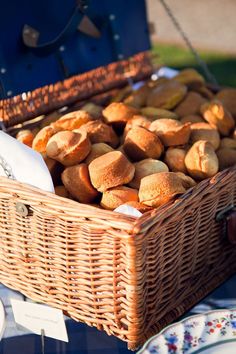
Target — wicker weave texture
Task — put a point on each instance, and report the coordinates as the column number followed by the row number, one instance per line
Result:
column 123, row 275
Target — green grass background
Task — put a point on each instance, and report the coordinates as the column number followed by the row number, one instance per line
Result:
column 223, row 66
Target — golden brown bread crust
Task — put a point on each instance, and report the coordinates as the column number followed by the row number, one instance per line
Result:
column 72, row 120
column 26, row 137
column 227, row 157
column 110, row 170
column 137, row 121
column 174, row 158
column 145, row 168
column 188, row 182
column 97, row 150
column 171, row 132
column 140, row 144
column 193, row 118
column 77, row 182
column 228, row 99
column 190, row 104
column 153, row 113
column 99, row 132
column 138, row 98
column 113, row 198
column 190, row 77
column 228, row 143
column 201, row 160
column 118, row 112
column 218, row 116
column 159, row 188
column 167, row 95
column 61, row 192
column 204, row 131
column 41, row 139
column 68, row 148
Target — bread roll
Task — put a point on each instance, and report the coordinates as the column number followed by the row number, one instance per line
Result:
column 228, row 143
column 190, row 77
column 174, row 158
column 138, row 98
column 193, row 118
column 110, row 170
column 61, row 192
column 218, row 116
column 72, row 120
column 153, row 113
column 145, row 168
column 227, row 157
column 99, row 132
column 117, row 196
column 26, row 137
column 190, row 105
column 201, row 160
column 188, row 182
column 140, row 144
column 119, row 113
column 41, row 139
column 77, row 182
column 68, row 148
column 228, row 98
column 54, row 167
column 159, row 188
column 167, row 95
column 97, row 150
column 93, row 110
column 137, row 121
column 204, row 131
column 171, row 132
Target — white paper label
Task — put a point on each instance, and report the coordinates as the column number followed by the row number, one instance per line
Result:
column 37, row 317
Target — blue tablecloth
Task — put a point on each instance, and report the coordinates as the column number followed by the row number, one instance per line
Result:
column 84, row 339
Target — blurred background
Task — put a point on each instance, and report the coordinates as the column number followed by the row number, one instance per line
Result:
column 211, row 27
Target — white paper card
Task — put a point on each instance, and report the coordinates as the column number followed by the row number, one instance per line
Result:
column 25, row 164
column 128, row 210
column 36, row 317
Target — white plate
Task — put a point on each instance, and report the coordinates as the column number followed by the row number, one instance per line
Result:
column 208, row 333
column 2, row 319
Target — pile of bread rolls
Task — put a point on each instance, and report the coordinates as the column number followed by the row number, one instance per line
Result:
column 145, row 148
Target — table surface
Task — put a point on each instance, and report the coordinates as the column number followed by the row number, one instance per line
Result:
column 84, row 339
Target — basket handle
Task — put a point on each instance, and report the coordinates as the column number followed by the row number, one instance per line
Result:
column 30, row 35
column 228, row 215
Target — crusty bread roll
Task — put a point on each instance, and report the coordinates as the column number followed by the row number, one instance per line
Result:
column 49, row 118
column 61, row 192
column 110, row 170
column 159, row 188
column 54, row 167
column 97, row 150
column 201, row 160
column 188, row 182
column 228, row 143
column 190, row 104
column 118, row 112
column 167, row 95
column 228, row 98
column 93, row 109
column 190, row 77
column 26, row 137
column 117, row 196
column 137, row 121
column 41, row 139
column 68, row 147
column 153, row 113
column 77, row 182
column 99, row 132
column 204, row 131
column 72, row 120
column 174, row 158
column 227, row 157
column 138, row 97
column 145, row 168
column 140, row 144
column 218, row 116
column 171, row 132
column 193, row 118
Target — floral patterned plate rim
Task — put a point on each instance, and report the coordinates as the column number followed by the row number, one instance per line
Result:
column 211, row 332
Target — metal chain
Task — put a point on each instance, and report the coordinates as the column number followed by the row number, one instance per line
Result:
column 6, row 168
column 210, row 77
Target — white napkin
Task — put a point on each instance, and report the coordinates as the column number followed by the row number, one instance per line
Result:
column 25, row 164
column 128, row 210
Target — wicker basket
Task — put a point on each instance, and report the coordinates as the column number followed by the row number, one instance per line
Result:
column 129, row 277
